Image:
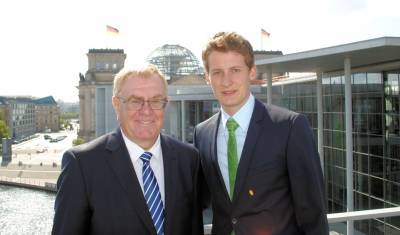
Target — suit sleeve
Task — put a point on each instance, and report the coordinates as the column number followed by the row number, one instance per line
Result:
column 306, row 179
column 203, row 187
column 197, row 219
column 72, row 214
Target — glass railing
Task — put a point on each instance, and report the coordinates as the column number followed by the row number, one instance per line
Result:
column 338, row 221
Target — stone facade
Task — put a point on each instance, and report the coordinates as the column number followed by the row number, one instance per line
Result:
column 94, row 91
column 47, row 117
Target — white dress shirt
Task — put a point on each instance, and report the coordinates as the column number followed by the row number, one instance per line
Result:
column 242, row 117
column 156, row 162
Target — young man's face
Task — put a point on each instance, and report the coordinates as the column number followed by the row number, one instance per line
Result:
column 230, row 78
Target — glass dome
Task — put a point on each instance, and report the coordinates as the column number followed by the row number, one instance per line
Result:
column 175, row 61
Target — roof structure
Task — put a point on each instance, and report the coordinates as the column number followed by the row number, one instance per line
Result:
column 362, row 53
column 48, row 100
column 175, row 61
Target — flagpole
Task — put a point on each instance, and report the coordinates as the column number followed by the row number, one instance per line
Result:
column 261, row 42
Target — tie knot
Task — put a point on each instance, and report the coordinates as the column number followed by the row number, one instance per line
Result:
column 146, row 156
column 231, row 124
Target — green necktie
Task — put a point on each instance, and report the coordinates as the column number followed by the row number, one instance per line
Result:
column 232, row 125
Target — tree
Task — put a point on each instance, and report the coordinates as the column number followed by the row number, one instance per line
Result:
column 4, row 132
column 64, row 123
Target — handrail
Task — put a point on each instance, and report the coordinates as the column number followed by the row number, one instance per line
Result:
column 347, row 216
column 365, row 214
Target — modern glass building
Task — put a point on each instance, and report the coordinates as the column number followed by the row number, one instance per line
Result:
column 370, row 103
column 376, row 140
column 23, row 117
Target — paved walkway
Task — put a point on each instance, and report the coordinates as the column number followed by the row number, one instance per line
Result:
column 31, row 170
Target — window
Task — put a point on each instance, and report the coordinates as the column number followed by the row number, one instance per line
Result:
column 376, row 166
column 374, row 81
column 359, row 82
column 361, row 183
column 361, row 163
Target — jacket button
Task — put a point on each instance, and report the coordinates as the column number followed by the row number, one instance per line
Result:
column 234, row 221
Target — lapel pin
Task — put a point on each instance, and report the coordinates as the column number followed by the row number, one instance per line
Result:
column 251, row 192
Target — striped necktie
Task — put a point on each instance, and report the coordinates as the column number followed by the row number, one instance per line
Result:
column 152, row 194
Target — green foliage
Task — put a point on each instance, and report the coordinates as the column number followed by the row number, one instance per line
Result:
column 64, row 123
column 70, row 115
column 78, row 141
column 65, row 119
column 4, row 132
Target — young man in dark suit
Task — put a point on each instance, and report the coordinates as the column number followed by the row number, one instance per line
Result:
column 133, row 180
column 260, row 161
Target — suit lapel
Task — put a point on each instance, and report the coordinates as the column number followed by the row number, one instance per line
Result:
column 121, row 164
column 255, row 128
column 214, row 153
column 170, row 174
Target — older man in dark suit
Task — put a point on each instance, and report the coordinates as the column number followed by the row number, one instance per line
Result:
column 133, row 180
column 260, row 162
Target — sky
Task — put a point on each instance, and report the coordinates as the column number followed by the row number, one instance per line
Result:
column 43, row 43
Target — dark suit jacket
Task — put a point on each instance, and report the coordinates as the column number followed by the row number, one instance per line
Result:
column 99, row 193
column 279, row 185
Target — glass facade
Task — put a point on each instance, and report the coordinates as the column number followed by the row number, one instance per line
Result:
column 196, row 112
column 175, row 61
column 23, row 115
column 192, row 112
column 376, row 140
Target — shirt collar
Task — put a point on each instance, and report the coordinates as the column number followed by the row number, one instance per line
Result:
column 135, row 151
column 242, row 116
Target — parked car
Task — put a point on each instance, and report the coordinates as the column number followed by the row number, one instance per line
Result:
column 58, row 138
column 42, row 150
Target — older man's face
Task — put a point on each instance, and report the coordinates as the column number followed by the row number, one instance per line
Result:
column 141, row 125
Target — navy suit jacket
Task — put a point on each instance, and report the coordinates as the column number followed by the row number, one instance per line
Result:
column 279, row 187
column 99, row 193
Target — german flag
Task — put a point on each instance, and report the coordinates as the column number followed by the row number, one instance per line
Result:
column 264, row 34
column 112, row 31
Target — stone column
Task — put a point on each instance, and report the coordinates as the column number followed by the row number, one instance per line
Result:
column 349, row 141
